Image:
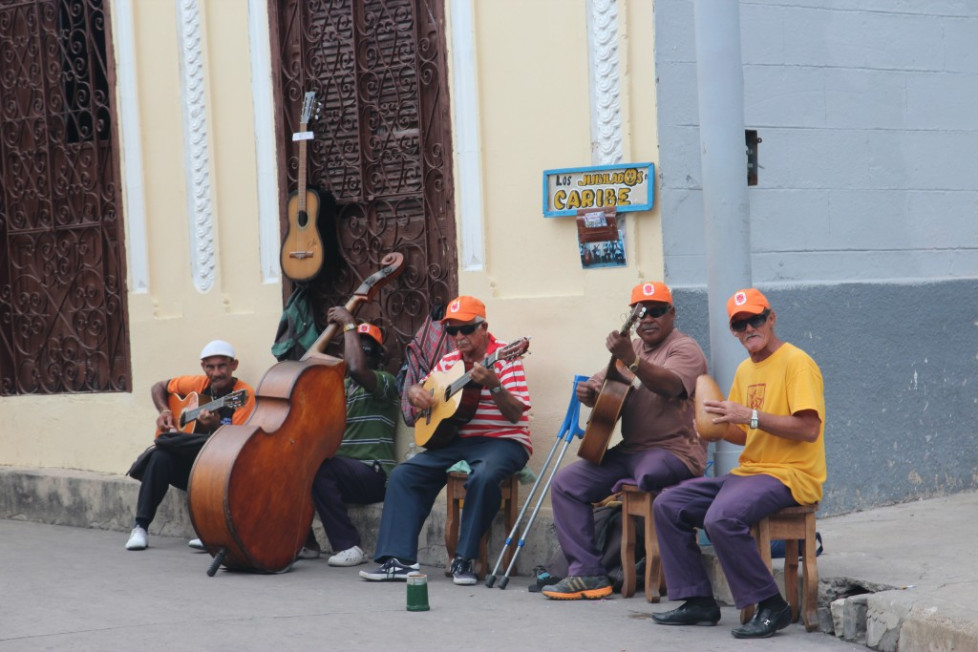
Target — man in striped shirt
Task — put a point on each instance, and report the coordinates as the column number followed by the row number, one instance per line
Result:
column 357, row 473
column 495, row 443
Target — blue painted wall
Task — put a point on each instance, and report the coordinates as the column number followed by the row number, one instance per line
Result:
column 864, row 225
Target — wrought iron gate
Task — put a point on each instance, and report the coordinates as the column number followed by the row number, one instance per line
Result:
column 382, row 147
column 63, row 319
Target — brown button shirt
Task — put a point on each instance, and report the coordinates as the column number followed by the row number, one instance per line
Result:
column 650, row 420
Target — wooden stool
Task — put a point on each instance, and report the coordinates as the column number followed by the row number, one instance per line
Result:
column 456, row 494
column 791, row 524
column 636, row 503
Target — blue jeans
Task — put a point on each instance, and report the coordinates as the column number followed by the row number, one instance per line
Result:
column 413, row 486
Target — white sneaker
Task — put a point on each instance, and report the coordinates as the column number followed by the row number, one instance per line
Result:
column 349, row 557
column 196, row 544
column 137, row 539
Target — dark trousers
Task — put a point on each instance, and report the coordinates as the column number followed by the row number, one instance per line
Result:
column 414, row 485
column 162, row 470
column 341, row 481
column 726, row 507
column 577, row 486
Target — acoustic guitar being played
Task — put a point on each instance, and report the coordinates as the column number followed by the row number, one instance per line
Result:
column 302, row 249
column 458, row 398
column 610, row 400
column 186, row 409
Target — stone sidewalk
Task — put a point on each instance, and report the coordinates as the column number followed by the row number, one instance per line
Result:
column 891, row 577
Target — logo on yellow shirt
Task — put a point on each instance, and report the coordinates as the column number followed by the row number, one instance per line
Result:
column 755, row 396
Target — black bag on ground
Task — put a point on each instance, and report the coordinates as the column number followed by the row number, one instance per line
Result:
column 607, row 535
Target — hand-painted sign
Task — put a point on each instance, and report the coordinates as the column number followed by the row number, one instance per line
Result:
column 627, row 187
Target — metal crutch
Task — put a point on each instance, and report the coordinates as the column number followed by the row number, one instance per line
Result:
column 569, row 429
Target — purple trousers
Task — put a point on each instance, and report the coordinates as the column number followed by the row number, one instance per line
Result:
column 726, row 507
column 577, row 486
column 342, row 480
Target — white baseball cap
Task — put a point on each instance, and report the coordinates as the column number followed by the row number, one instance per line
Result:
column 218, row 347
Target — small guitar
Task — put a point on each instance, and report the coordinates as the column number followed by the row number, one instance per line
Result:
column 458, row 398
column 302, row 249
column 185, row 409
column 607, row 406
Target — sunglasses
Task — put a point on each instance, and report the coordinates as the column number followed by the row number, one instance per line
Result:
column 655, row 311
column 468, row 329
column 755, row 322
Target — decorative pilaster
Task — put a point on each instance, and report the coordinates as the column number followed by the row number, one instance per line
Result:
column 202, row 256
column 605, row 94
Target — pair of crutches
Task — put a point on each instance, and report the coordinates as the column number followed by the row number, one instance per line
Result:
column 568, row 430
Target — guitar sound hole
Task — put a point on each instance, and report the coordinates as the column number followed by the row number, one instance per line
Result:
column 302, row 219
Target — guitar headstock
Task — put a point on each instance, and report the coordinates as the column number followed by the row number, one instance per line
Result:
column 637, row 313
column 309, row 107
column 514, row 350
column 236, row 399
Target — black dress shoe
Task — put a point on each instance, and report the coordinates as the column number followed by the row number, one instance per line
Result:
column 690, row 614
column 764, row 623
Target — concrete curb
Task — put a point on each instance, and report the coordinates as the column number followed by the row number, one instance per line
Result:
column 107, row 501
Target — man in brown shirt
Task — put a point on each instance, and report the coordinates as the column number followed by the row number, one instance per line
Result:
column 659, row 445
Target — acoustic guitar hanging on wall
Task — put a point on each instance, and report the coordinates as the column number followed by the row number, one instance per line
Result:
column 302, row 249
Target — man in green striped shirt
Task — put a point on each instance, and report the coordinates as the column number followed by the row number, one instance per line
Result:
column 357, row 473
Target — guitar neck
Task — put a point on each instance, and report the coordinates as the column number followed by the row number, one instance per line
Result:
column 190, row 415
column 466, row 378
column 302, row 172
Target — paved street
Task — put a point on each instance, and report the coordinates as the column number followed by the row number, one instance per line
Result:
column 78, row 589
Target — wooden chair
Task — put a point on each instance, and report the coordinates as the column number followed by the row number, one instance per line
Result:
column 456, row 494
column 636, row 503
column 792, row 524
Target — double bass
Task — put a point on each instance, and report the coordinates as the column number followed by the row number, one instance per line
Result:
column 250, row 489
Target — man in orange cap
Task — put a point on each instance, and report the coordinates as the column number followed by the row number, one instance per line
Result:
column 495, row 443
column 357, row 473
column 776, row 410
column 659, row 446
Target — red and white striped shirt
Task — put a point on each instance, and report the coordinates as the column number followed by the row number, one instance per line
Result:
column 488, row 421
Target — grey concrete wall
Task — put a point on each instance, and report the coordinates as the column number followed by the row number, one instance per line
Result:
column 864, row 225
column 900, row 389
column 866, row 112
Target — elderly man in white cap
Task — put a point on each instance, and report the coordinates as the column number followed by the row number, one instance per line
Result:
column 231, row 401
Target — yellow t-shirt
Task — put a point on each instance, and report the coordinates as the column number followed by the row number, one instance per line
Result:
column 786, row 383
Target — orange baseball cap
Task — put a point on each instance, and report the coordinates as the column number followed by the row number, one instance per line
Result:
column 372, row 331
column 749, row 300
column 465, row 309
column 651, row 291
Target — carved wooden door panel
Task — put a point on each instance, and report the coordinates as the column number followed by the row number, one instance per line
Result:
column 63, row 321
column 382, row 147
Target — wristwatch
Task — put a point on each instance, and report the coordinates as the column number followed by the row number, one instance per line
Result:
column 753, row 419
column 496, row 390
column 349, row 327
column 634, row 366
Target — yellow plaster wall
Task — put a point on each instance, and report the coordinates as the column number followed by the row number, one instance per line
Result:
column 532, row 70
column 534, row 115
column 169, row 324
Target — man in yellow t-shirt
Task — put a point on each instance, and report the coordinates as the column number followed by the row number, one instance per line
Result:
column 776, row 410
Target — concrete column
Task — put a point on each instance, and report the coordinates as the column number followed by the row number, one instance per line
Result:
column 720, row 83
